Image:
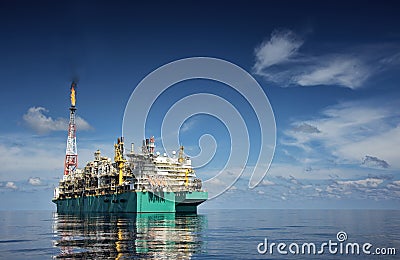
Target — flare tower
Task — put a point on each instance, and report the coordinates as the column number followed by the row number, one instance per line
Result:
column 71, row 154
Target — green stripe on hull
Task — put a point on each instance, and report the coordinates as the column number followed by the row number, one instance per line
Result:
column 132, row 201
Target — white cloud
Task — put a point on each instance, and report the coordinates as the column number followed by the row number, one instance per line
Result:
column 397, row 183
column 30, row 158
column 306, row 128
column 217, row 182
column 344, row 71
column 82, row 124
column 282, row 46
column 36, row 119
column 294, row 184
column 367, row 183
column 11, row 185
column 351, row 131
column 280, row 60
column 26, row 156
column 267, row 183
column 35, row 181
column 233, row 188
column 369, row 188
column 382, row 145
column 187, row 125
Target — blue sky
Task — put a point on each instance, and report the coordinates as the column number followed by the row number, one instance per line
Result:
column 330, row 71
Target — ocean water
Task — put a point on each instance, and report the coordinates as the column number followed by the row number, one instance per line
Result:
column 211, row 234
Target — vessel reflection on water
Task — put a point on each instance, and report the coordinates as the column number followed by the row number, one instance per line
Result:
column 121, row 236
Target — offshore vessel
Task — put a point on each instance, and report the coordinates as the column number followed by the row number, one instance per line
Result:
column 143, row 182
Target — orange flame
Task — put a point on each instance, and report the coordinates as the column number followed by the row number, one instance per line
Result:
column 73, row 100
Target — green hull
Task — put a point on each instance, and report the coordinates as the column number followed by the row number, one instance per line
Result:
column 134, row 201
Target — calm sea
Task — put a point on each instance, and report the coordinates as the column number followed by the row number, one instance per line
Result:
column 212, row 234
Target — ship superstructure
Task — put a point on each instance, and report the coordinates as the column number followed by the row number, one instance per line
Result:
column 134, row 182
